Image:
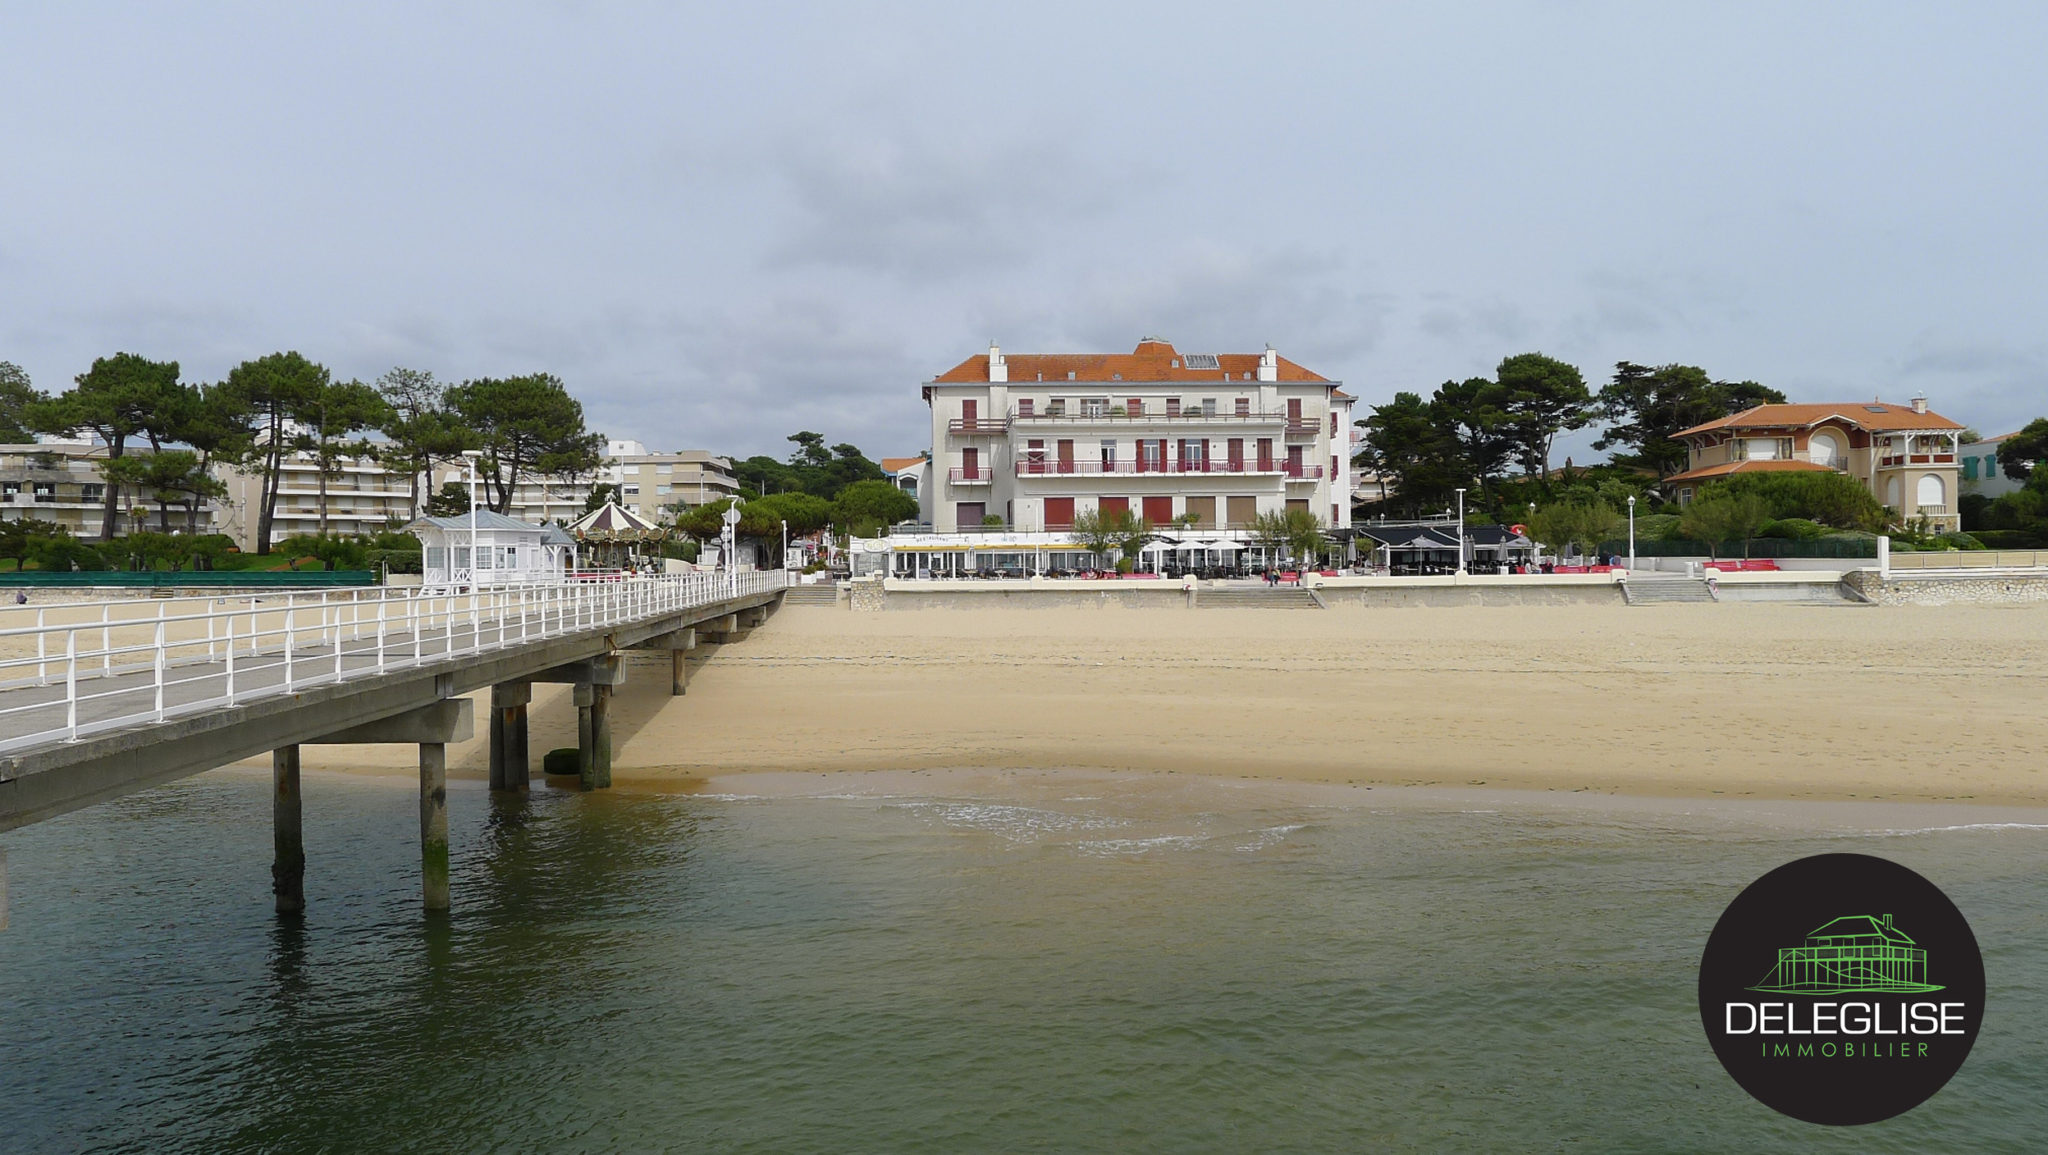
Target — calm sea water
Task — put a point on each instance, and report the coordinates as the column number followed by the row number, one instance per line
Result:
column 1076, row 964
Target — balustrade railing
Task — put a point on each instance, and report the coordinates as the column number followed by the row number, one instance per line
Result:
column 130, row 662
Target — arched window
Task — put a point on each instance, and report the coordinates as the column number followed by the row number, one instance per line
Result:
column 1931, row 491
column 1825, row 448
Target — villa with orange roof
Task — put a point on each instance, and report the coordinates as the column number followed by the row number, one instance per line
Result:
column 1029, row 441
column 1904, row 454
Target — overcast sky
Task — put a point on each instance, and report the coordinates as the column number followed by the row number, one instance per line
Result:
column 722, row 223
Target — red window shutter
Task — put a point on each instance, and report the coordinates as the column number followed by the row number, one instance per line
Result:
column 1059, row 512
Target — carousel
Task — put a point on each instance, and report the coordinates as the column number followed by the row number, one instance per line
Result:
column 610, row 537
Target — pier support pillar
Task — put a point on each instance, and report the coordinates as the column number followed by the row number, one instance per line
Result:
column 586, row 761
column 288, row 861
column 434, row 825
column 510, row 764
column 601, row 735
column 677, row 686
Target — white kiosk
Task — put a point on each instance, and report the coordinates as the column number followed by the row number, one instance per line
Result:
column 505, row 552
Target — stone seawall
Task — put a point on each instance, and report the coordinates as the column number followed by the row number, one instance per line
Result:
column 1393, row 597
column 1942, row 589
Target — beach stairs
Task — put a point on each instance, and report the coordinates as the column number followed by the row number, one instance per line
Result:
column 1664, row 591
column 1257, row 597
column 812, row 594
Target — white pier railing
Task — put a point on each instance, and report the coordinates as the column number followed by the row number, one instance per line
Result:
column 88, row 667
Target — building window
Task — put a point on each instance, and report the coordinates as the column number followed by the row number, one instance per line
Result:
column 437, row 557
column 1173, row 406
column 10, row 488
column 1095, row 407
column 1024, row 407
column 1108, row 456
column 1244, row 407
column 45, row 490
column 1684, row 497
column 664, row 470
column 662, row 490
column 630, row 490
column 1057, row 407
column 1969, row 469
column 1208, row 407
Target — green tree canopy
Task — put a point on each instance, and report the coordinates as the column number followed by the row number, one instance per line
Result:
column 1719, row 518
column 118, row 398
column 868, row 506
column 172, row 476
column 1538, row 398
column 1643, row 406
column 418, row 427
column 524, row 425
column 17, row 397
column 328, row 417
column 1832, row 499
column 271, row 389
column 2020, row 454
column 1582, row 523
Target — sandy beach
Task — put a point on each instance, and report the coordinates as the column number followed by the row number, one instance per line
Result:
column 1792, row 702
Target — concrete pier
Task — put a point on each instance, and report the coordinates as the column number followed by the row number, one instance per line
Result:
column 511, row 764
column 434, row 825
column 586, row 761
column 601, row 735
column 288, row 860
column 677, row 684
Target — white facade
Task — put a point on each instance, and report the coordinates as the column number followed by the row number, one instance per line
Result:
column 1980, row 471
column 1030, row 441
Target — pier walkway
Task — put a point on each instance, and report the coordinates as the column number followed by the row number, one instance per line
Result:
column 99, row 700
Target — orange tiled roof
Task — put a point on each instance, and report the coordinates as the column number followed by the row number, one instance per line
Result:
column 1877, row 416
column 899, row 464
column 1151, row 361
column 1726, row 468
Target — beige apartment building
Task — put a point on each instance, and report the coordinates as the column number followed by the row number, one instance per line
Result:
column 62, row 482
column 362, row 497
column 1904, row 454
column 1028, row 441
column 650, row 484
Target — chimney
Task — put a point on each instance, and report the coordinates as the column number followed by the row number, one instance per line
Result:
column 1887, row 922
column 998, row 369
column 1920, row 403
column 1269, row 365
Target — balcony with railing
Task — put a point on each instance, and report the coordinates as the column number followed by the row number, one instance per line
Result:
column 1302, row 430
column 1120, row 415
column 1029, row 468
column 978, row 426
column 971, row 475
column 1917, row 459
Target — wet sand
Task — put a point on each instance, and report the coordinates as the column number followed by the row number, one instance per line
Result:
column 1736, row 701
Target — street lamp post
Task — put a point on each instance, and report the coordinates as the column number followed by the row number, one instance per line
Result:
column 1631, row 532
column 469, row 457
column 785, row 543
column 1461, row 531
column 1535, row 547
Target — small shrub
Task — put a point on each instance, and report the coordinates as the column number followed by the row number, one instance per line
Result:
column 1793, row 529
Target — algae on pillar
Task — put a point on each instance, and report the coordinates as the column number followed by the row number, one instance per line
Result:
column 434, row 825
column 288, row 861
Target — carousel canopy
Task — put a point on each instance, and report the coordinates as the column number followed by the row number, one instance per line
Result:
column 611, row 523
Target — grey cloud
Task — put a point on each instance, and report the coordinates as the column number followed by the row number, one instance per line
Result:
column 907, row 206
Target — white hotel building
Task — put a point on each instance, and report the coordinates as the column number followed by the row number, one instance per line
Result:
column 1032, row 440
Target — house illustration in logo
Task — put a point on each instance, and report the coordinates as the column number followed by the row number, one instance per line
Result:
column 1854, row 953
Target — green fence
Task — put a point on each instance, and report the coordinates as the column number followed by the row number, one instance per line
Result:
column 1826, row 547
column 189, row 579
